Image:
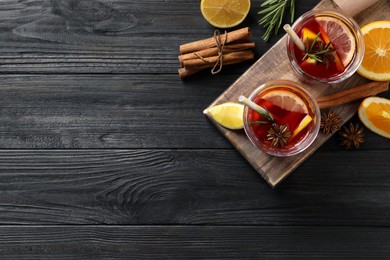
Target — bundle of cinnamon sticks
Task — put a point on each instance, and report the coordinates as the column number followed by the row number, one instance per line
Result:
column 215, row 52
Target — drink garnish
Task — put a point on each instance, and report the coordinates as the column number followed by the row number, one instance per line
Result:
column 263, row 111
column 278, row 135
column 318, row 51
column 304, row 122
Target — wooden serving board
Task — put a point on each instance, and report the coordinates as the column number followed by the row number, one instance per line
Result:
column 275, row 65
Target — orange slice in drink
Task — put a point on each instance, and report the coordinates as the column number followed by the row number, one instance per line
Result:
column 225, row 13
column 286, row 100
column 309, row 35
column 376, row 59
column 341, row 37
column 374, row 112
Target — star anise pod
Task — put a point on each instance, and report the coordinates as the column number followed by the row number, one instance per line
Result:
column 317, row 51
column 330, row 123
column 278, row 135
column 352, row 136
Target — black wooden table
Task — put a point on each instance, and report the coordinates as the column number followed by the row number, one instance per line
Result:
column 106, row 153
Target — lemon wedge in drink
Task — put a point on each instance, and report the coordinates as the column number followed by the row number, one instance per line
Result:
column 305, row 121
column 228, row 115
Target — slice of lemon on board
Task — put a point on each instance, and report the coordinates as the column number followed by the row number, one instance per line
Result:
column 376, row 59
column 225, row 13
column 340, row 36
column 229, row 115
column 286, row 100
column 374, row 112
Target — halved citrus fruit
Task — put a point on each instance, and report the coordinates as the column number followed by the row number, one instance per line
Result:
column 286, row 100
column 340, row 36
column 374, row 112
column 225, row 13
column 376, row 59
column 229, row 115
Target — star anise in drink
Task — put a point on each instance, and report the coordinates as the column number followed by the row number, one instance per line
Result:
column 352, row 136
column 330, row 123
column 278, row 135
column 318, row 51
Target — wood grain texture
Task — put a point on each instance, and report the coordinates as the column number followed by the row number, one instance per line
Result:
column 189, row 187
column 101, row 111
column 179, row 190
column 202, row 242
column 114, row 111
column 92, row 36
column 275, row 65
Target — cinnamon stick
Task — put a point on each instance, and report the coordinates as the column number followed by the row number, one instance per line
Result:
column 185, row 72
column 214, row 51
column 233, row 36
column 229, row 58
column 353, row 94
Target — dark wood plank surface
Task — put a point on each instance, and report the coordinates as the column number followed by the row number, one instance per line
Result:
column 105, row 152
column 184, row 187
column 196, row 242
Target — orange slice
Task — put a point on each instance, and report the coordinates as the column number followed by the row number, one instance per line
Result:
column 309, row 35
column 286, row 100
column 376, row 59
column 225, row 13
column 374, row 112
column 340, row 36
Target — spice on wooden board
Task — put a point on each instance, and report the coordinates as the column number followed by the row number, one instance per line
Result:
column 352, row 94
column 330, row 123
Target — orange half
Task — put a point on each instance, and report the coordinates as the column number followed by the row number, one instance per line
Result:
column 376, row 59
column 374, row 112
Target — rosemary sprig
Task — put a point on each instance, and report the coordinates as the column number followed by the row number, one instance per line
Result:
column 259, row 123
column 318, row 53
column 273, row 15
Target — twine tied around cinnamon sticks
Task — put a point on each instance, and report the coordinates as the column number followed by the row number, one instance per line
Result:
column 217, row 38
column 215, row 52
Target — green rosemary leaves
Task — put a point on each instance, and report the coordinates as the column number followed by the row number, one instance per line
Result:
column 273, row 13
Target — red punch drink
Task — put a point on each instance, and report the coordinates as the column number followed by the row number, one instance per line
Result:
column 285, row 121
column 333, row 46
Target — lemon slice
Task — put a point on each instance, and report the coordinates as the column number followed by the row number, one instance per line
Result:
column 286, row 100
column 305, row 121
column 225, row 13
column 228, row 115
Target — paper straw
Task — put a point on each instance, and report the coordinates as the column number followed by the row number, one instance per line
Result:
column 264, row 113
column 294, row 37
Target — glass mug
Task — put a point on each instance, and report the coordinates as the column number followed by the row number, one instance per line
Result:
column 346, row 46
column 290, row 105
